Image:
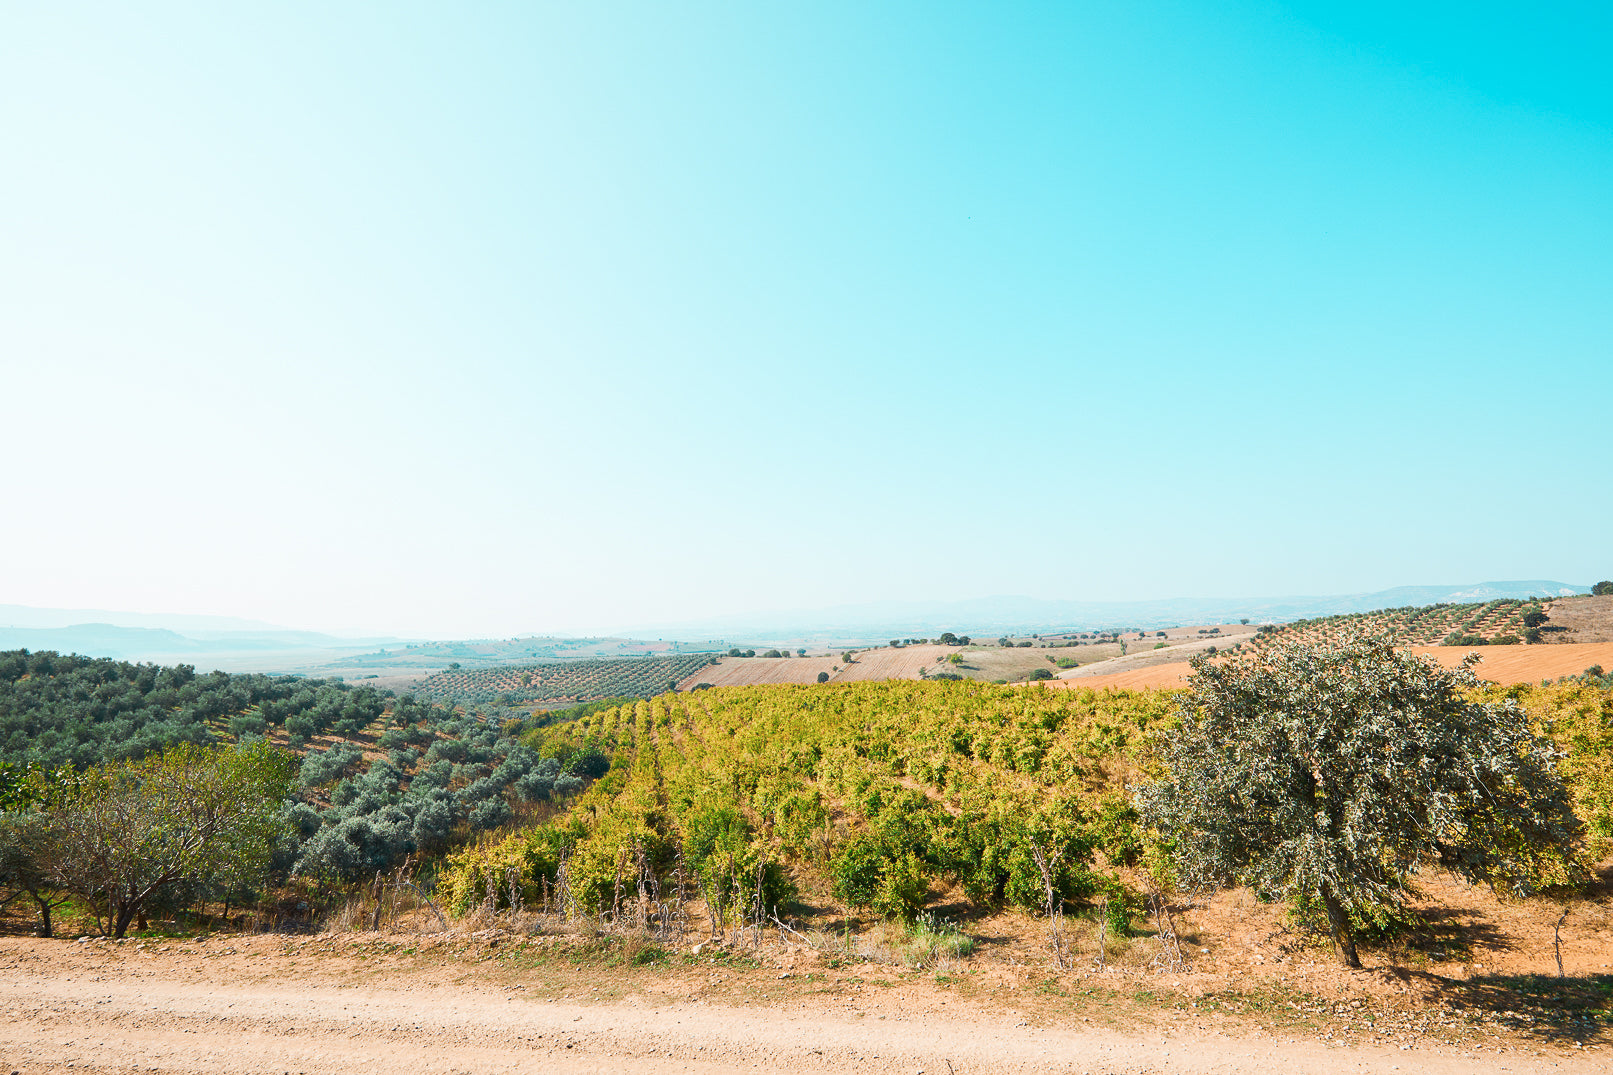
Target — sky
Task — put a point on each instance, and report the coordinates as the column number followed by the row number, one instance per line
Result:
column 486, row 319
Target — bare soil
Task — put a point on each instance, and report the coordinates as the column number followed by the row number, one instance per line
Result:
column 1166, row 674
column 1499, row 664
column 1579, row 619
column 1525, row 664
column 986, row 662
column 1473, row 989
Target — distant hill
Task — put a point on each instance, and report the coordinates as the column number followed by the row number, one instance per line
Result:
column 28, row 616
column 1024, row 615
column 98, row 640
column 240, row 645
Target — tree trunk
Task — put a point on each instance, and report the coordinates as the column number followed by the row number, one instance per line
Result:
column 1338, row 924
column 44, row 915
column 125, row 915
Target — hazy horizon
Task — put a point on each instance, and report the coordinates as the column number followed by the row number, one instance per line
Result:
column 991, row 612
column 457, row 324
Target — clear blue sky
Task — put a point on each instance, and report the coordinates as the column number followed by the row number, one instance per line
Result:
column 477, row 319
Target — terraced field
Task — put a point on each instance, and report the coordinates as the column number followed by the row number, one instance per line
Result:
column 564, row 681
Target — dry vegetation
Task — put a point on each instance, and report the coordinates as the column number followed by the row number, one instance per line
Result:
column 1579, row 619
column 1474, row 989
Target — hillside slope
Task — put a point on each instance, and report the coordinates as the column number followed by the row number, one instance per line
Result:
column 1499, row 664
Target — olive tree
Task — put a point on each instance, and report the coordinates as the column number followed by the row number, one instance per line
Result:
column 1328, row 775
column 190, row 815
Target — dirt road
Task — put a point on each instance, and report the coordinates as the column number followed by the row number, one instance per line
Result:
column 263, row 1005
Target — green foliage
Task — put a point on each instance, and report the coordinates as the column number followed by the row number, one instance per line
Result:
column 482, row 873
column 586, row 680
column 1603, row 588
column 1471, row 624
column 1328, row 774
column 930, row 938
column 58, row 710
column 883, row 790
column 1577, row 716
column 189, row 816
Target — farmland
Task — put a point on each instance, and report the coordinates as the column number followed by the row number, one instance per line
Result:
column 990, row 662
column 850, row 802
column 563, row 681
column 1579, row 620
column 889, row 796
column 1495, row 622
column 1498, row 664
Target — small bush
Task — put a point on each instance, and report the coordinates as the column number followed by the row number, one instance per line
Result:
column 930, row 939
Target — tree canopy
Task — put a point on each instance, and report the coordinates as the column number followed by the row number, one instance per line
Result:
column 203, row 815
column 1327, row 775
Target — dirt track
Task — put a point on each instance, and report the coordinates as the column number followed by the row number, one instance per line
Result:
column 255, row 1006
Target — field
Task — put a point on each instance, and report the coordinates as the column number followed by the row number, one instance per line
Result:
column 905, row 662
column 1499, row 664
column 991, row 663
column 1579, row 619
column 1430, row 625
column 563, row 681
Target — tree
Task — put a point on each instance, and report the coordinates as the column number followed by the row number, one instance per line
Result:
column 196, row 815
column 1328, row 775
column 1603, row 588
column 823, row 677
column 948, row 639
column 27, row 843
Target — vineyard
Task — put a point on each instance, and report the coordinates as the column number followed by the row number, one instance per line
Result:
column 1499, row 622
column 568, row 681
column 875, row 795
column 890, row 798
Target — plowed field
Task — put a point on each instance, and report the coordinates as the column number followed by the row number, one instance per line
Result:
column 1526, row 664
column 1500, row 664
